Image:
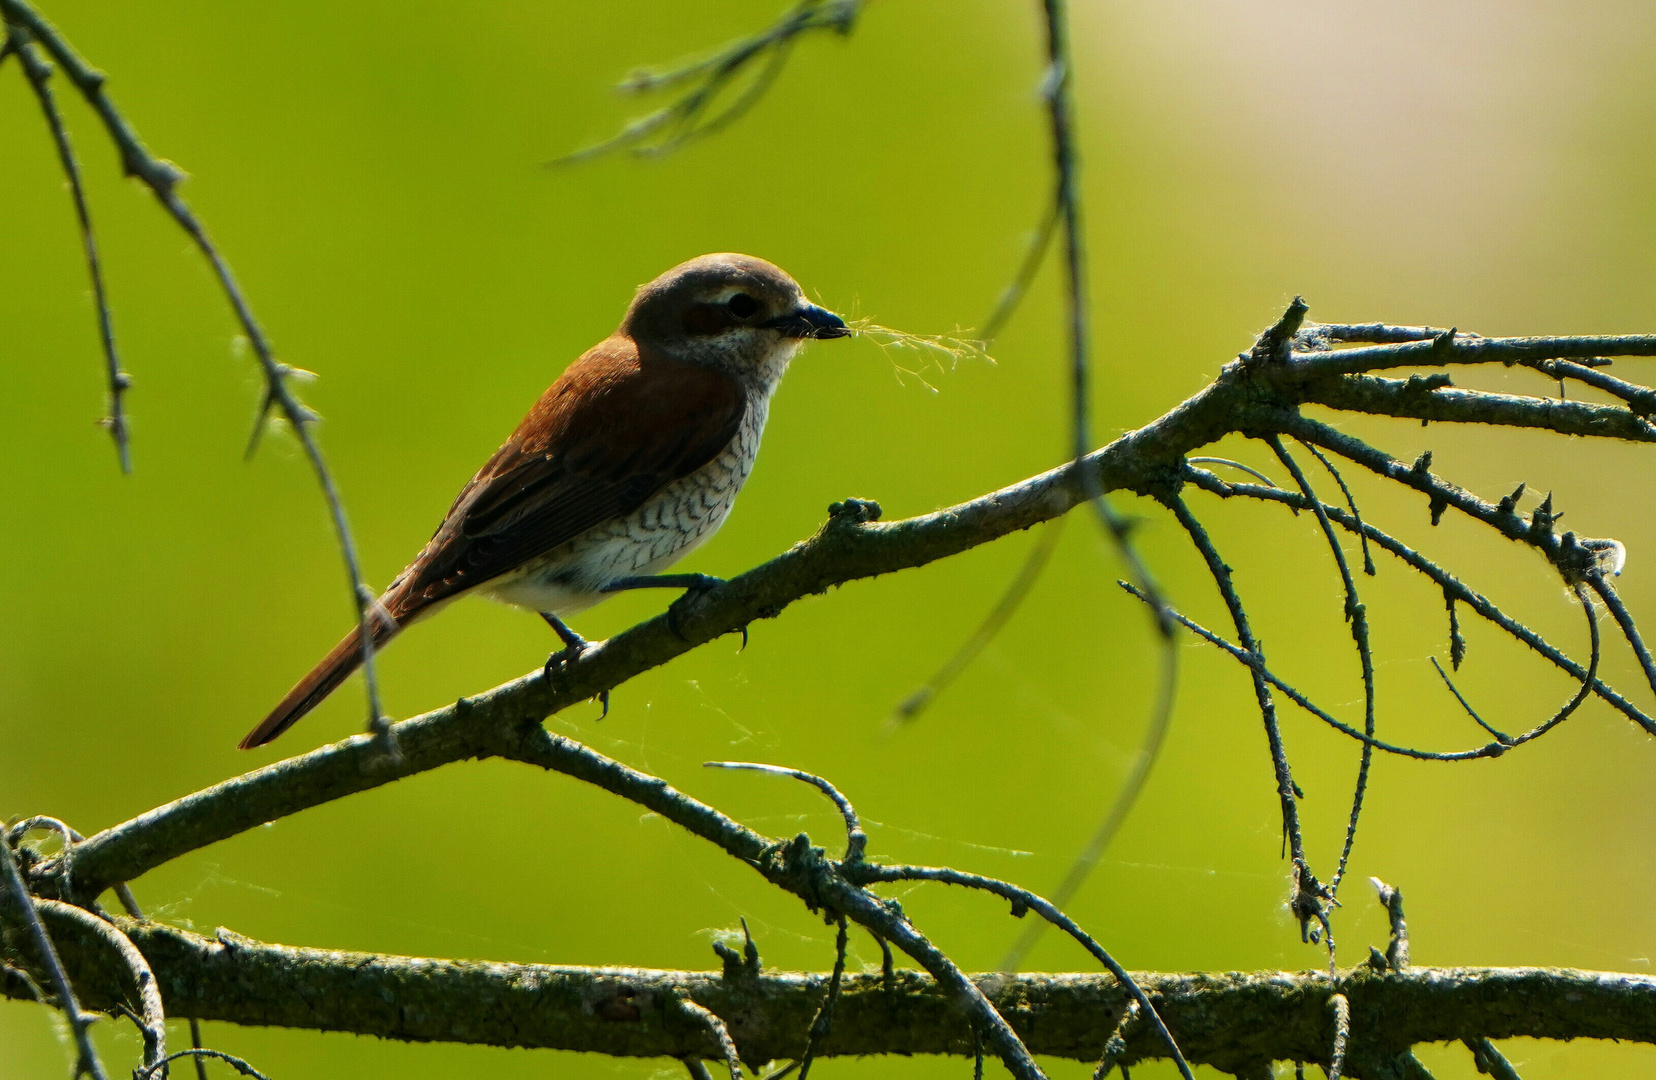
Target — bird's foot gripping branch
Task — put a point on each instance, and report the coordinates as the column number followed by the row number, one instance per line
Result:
column 1263, row 395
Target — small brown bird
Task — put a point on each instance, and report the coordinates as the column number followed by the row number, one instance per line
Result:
column 629, row 461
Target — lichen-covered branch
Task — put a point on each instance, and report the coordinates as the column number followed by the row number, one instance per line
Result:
column 1226, row 1021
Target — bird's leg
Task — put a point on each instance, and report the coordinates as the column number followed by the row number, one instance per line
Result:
column 692, row 584
column 574, row 645
column 689, row 582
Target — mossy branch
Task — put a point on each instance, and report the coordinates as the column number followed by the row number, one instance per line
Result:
column 1226, row 1021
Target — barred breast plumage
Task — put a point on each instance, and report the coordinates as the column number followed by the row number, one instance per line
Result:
column 679, row 519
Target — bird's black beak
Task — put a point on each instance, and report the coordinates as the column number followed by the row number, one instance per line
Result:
column 810, row 321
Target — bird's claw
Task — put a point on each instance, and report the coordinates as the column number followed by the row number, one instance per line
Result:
column 563, row 657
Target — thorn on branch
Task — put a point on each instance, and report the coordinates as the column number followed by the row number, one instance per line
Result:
column 739, row 965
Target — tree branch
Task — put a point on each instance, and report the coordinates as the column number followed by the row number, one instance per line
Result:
column 1226, row 1020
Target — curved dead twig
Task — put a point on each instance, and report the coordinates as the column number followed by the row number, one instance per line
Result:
column 38, row 72
column 1357, row 617
column 1451, row 586
column 856, row 841
column 79, row 1021
column 162, row 178
column 1248, row 660
column 152, row 1021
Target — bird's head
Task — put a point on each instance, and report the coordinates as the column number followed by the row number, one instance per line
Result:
column 733, row 311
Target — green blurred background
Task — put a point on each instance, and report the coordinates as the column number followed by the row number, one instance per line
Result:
column 374, row 172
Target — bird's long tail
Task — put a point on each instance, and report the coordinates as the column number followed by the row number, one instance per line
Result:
column 323, row 680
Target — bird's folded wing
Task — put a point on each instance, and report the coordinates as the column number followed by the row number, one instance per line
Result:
column 612, row 431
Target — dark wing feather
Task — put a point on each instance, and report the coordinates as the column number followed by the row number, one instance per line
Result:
column 612, row 431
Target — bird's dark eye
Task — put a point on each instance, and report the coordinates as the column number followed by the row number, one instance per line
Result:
column 742, row 305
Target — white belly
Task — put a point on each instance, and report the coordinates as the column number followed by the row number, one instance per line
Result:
column 682, row 517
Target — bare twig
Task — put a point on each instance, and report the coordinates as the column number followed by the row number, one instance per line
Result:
column 1116, row 1045
column 1397, row 949
column 856, row 841
column 78, row 1021
column 1023, row 901
column 1012, row 296
column 1452, row 586
column 1161, row 718
column 1016, row 592
column 1500, row 736
column 38, row 72
column 669, row 128
column 152, row 1022
column 825, row 1015
column 1358, row 618
column 1351, row 504
column 717, row 1029
column 162, row 178
column 1229, row 463
column 1253, row 662
column 1624, row 619
column 199, row 1055
column 1307, row 896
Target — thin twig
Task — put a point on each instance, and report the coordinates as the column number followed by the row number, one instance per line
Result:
column 1308, row 895
column 1351, row 503
column 1250, row 470
column 669, row 128
column 1451, row 585
column 38, row 71
column 717, row 1029
column 153, row 1020
column 78, row 1020
column 1249, row 660
column 856, row 841
column 1501, row 736
column 1624, row 619
column 1022, row 901
column 1012, row 296
column 1641, row 399
column 195, row 1044
column 1357, row 616
column 1161, row 718
column 200, row 1056
column 1016, row 592
column 825, row 1015
column 162, row 178
column 1116, row 1045
column 1397, row 948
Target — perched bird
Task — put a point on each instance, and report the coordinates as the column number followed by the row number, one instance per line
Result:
column 629, row 461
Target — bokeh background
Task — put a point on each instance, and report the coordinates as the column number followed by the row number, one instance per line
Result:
column 375, row 173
